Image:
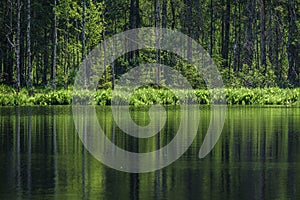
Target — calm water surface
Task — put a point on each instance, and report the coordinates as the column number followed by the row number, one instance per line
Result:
column 257, row 157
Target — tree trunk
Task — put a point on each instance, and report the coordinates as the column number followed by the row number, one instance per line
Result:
column 17, row 49
column 225, row 33
column 137, row 22
column 132, row 25
column 10, row 49
column 293, row 72
column 112, row 68
column 164, row 14
column 83, row 45
column 226, row 37
column 104, row 42
column 38, row 64
column 249, row 45
column 46, row 58
column 239, row 67
column 263, row 57
column 211, row 27
column 157, row 24
column 54, row 49
column 132, row 14
column 164, row 21
column 189, row 18
column 134, row 22
column 30, row 89
column 173, row 14
column 23, row 72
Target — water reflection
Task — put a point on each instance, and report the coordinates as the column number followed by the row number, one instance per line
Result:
column 257, row 157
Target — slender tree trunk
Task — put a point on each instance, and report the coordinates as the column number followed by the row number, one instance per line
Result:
column 293, row 72
column 225, row 33
column 263, row 57
column 112, row 68
column 30, row 90
column 66, row 48
column 189, row 18
column 164, row 14
column 23, row 52
column 173, row 14
column 68, row 59
column 54, row 49
column 46, row 58
column 134, row 22
column 278, row 68
column 132, row 25
column 10, row 49
column 163, row 33
column 249, row 45
column 226, row 37
column 211, row 27
column 137, row 21
column 256, row 36
column 239, row 67
column 78, row 51
column 17, row 49
column 132, row 15
column 157, row 24
column 164, row 22
column 2, row 49
column 65, row 62
column 83, row 45
column 104, row 55
column 104, row 41
column 38, row 64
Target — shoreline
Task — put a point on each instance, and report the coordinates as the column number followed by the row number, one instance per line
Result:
column 150, row 96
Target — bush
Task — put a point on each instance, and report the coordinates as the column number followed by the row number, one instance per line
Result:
column 151, row 96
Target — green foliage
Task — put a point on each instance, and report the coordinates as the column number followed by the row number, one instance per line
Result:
column 103, row 97
column 228, row 30
column 150, row 96
column 9, row 97
column 249, row 77
column 262, row 96
column 146, row 96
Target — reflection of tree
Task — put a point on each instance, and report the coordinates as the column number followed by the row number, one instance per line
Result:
column 134, row 186
column 256, row 156
column 29, row 152
column 54, row 146
column 83, row 154
column 18, row 152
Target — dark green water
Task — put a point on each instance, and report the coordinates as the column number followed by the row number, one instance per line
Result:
column 257, row 157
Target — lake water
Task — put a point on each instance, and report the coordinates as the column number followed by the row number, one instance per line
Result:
column 256, row 157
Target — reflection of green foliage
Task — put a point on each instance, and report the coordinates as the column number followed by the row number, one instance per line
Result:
column 253, row 140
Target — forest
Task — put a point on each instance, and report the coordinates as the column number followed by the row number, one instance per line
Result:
column 254, row 43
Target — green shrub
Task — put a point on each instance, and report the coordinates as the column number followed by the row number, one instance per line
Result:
column 150, row 96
